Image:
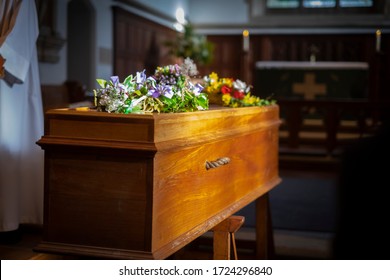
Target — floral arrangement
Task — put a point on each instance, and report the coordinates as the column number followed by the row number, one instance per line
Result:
column 169, row 90
column 232, row 92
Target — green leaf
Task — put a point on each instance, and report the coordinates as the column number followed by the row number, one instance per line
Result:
column 129, row 80
column 101, row 82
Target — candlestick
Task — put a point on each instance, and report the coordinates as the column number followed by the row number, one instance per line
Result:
column 378, row 34
column 245, row 40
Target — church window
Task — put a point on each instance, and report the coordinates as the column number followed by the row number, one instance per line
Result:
column 318, row 6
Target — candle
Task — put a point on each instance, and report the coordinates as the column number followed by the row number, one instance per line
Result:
column 245, row 40
column 378, row 34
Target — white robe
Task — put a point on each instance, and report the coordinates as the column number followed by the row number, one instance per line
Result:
column 21, row 125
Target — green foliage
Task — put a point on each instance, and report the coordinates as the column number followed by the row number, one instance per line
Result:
column 192, row 45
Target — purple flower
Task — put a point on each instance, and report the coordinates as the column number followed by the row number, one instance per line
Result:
column 177, row 68
column 114, row 80
column 121, row 87
column 157, row 91
column 154, row 92
column 197, row 89
column 168, row 92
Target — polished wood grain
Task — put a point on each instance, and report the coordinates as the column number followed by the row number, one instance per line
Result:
column 137, row 186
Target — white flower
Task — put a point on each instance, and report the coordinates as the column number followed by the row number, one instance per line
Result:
column 189, row 67
column 240, row 85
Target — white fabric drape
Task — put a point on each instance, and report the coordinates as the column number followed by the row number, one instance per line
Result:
column 8, row 12
column 21, row 125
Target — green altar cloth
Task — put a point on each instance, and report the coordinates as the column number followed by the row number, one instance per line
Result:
column 311, row 80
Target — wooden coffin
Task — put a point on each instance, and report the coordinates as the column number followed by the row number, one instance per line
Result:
column 144, row 186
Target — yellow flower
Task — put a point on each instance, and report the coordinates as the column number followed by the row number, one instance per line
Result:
column 250, row 100
column 226, row 99
column 213, row 77
column 212, row 89
column 227, row 81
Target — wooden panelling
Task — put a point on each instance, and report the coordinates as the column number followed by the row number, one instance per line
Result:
column 139, row 44
column 298, row 47
column 226, row 58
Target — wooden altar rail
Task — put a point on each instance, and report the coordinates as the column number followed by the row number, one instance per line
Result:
column 315, row 129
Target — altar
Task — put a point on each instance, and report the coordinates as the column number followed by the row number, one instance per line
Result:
column 307, row 80
column 144, row 186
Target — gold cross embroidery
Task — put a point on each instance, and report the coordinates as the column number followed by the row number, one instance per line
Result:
column 309, row 88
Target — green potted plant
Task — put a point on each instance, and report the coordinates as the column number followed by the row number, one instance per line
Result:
column 192, row 45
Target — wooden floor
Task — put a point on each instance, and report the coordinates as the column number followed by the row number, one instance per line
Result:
column 288, row 245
